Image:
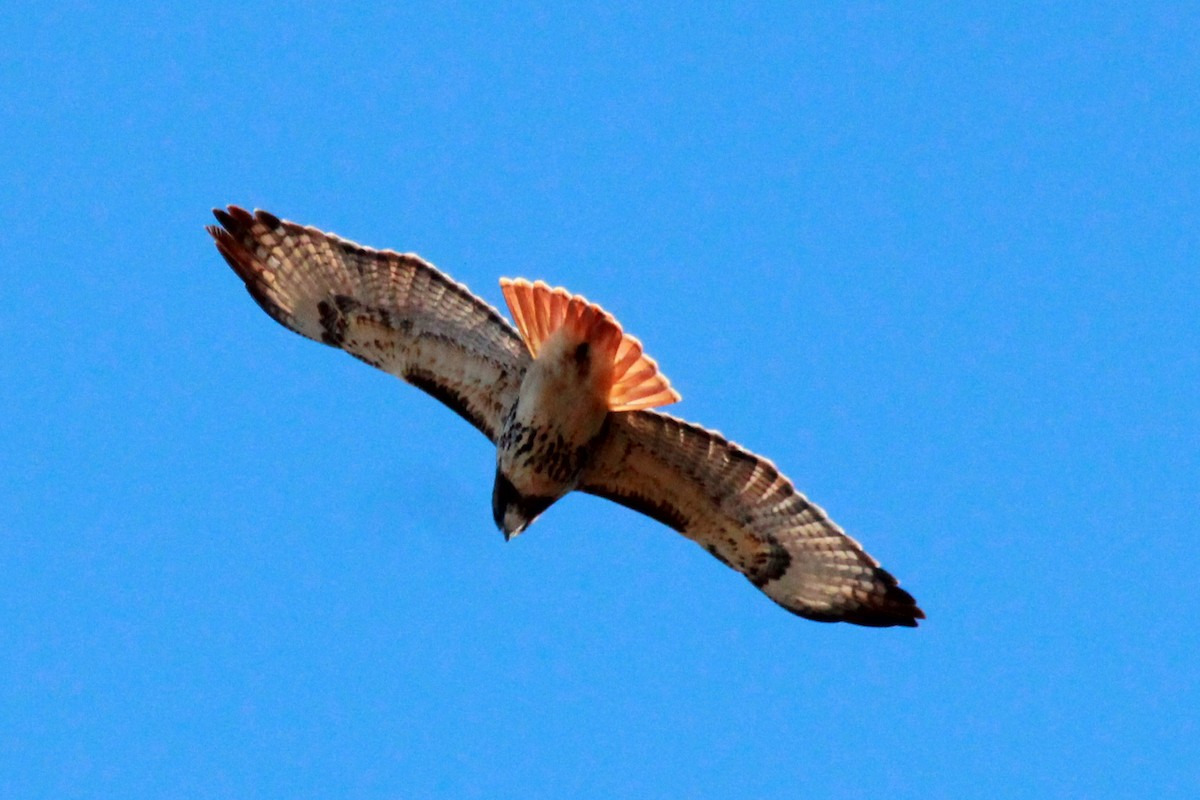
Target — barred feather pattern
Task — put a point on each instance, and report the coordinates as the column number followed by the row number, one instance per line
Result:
column 392, row 310
column 740, row 508
column 540, row 310
column 400, row 314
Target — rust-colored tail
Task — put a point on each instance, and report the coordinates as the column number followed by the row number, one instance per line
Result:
column 541, row 311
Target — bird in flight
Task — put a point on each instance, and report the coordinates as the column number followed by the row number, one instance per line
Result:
column 567, row 397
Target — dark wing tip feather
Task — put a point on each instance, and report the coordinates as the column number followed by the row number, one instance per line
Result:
column 887, row 607
column 891, row 607
column 228, row 239
column 894, row 609
column 223, row 217
column 234, row 219
column 897, row 604
column 268, row 219
column 710, row 489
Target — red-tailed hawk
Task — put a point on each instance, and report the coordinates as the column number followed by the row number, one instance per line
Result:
column 566, row 398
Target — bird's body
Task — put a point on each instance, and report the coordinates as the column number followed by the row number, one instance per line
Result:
column 551, row 430
column 583, row 366
column 567, row 398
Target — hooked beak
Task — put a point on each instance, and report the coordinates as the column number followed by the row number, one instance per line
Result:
column 510, row 534
column 512, row 511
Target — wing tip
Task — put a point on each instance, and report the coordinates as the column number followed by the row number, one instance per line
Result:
column 886, row 605
column 895, row 607
column 229, row 236
column 235, row 215
column 867, row 617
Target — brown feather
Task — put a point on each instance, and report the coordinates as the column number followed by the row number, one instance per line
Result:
column 743, row 511
column 391, row 310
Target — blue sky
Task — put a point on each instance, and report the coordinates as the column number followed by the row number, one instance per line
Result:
column 938, row 262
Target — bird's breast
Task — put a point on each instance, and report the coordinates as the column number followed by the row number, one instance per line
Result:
column 553, row 427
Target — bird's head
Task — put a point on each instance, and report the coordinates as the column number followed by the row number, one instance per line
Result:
column 513, row 511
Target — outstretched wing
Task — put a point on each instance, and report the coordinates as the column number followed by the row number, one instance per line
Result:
column 742, row 510
column 391, row 310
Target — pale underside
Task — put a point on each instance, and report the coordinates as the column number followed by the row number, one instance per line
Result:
column 400, row 314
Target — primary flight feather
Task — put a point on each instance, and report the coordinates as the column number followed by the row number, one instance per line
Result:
column 567, row 398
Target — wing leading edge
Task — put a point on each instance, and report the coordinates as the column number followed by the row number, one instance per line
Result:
column 740, row 508
column 392, row 310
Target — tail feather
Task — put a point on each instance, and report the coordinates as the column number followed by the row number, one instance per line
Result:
column 540, row 311
column 627, row 355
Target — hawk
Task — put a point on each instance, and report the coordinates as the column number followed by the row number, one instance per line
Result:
column 567, row 397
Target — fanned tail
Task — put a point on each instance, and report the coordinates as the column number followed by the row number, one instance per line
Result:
column 541, row 311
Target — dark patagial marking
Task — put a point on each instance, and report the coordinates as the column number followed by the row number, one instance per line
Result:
column 660, row 512
column 715, row 553
column 428, row 383
column 369, row 361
